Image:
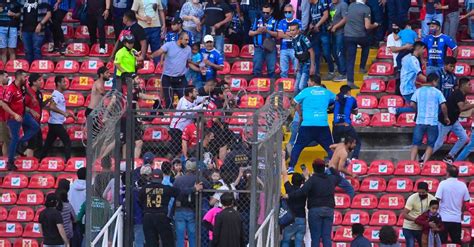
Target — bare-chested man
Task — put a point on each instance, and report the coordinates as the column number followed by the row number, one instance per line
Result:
column 339, row 162
column 98, row 89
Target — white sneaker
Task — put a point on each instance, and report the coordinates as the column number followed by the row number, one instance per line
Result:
column 392, row 110
column 101, row 51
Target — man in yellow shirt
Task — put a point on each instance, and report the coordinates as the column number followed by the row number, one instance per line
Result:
column 125, row 58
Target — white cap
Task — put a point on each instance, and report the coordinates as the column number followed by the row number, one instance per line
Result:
column 208, row 38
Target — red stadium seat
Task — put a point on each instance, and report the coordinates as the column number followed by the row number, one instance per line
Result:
column 354, row 182
column 384, row 53
column 342, row 201
column 77, row 133
column 71, row 177
column 238, row 84
column 11, row 229
column 337, row 217
column 407, row 168
column 242, row 68
column 74, row 99
column 94, row 52
column 287, row 84
column 259, row 85
column 358, row 167
column 47, row 50
column 26, row 242
column 3, row 164
column 466, row 122
column 387, row 101
column 82, row 32
column 226, row 69
column 50, row 85
column 391, row 86
column 364, row 121
column 77, row 50
column 373, row 85
column 466, row 222
column 166, row 120
column 372, row 234
column 90, row 66
column 159, row 69
column 44, row 131
column 17, row 64
column 153, row 84
column 1, row 65
column 462, row 69
column 382, row 120
column 81, row 117
column 21, row 214
column 433, row 184
column 51, row 164
column 109, row 32
column 466, row 235
column 231, row 50
column 44, row 116
column 381, row 69
column 41, row 181
column 434, row 168
column 74, row 164
column 400, row 220
column 32, row 230
column 81, row 83
column 158, row 161
column 367, row 101
column 15, row 181
column 68, row 31
column 147, row 103
column 276, row 101
column 67, row 67
column 42, row 66
column 251, row 101
column 4, row 214
column 356, row 216
column 343, row 234
column 383, row 218
column 373, row 184
column 466, row 168
column 406, row 119
column 38, row 212
column 247, row 51
column 148, row 68
column 25, row 164
column 156, row 134
column 5, row 243
column 465, row 52
column 30, row 197
column 391, row 201
column 381, row 167
column 7, row 197
column 400, row 185
column 364, row 201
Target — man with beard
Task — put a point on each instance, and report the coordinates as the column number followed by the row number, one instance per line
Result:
column 98, row 89
column 339, row 162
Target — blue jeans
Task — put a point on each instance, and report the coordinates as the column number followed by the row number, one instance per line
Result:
column 320, row 225
column 308, row 134
column 219, row 43
column 153, row 36
column 407, row 99
column 433, row 69
column 32, row 42
column 351, row 51
column 286, row 56
column 443, row 131
column 420, row 130
column 467, row 149
column 260, row 56
column 139, row 240
column 428, row 18
column 30, row 127
column 297, row 229
column 302, row 76
column 338, row 52
column 185, row 222
column 294, row 130
column 411, row 236
column 320, row 42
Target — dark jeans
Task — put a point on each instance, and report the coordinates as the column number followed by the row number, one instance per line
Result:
column 411, row 236
column 454, row 231
column 57, row 20
column 30, row 127
column 94, row 23
column 259, row 57
column 306, row 135
column 153, row 36
column 55, row 131
column 397, row 11
column 117, row 21
column 338, row 52
column 32, row 42
column 320, row 42
column 158, row 227
column 377, row 34
column 340, row 131
column 320, row 225
column 172, row 85
column 351, row 51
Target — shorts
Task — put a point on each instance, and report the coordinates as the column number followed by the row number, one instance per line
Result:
column 36, row 142
column 8, row 37
column 420, row 130
column 4, row 132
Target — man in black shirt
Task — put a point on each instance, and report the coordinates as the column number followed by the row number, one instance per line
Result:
column 208, row 88
column 51, row 222
column 297, row 206
column 132, row 27
column 228, row 229
column 35, row 18
column 9, row 21
column 97, row 12
column 217, row 14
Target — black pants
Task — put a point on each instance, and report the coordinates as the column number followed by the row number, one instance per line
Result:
column 95, row 22
column 454, row 231
column 156, row 227
column 55, row 131
column 36, row 142
column 171, row 86
column 58, row 35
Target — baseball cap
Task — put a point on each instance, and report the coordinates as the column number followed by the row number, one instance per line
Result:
column 177, row 20
column 145, row 170
column 148, row 158
column 435, row 22
column 157, row 174
column 208, row 38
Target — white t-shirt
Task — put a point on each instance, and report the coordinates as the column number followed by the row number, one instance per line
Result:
column 180, row 120
column 224, row 187
column 56, row 118
column 391, row 42
column 452, row 194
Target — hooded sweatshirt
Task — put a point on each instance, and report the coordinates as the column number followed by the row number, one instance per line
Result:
column 77, row 194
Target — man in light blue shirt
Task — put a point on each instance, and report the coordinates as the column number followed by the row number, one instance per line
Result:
column 427, row 100
column 312, row 106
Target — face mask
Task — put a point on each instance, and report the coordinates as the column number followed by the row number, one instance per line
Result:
column 432, row 31
column 423, row 197
column 396, row 30
column 288, row 15
column 266, row 16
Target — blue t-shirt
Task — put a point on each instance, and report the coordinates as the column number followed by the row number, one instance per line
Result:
column 447, row 82
column 407, row 36
column 314, row 103
column 271, row 25
column 283, row 27
column 214, row 56
column 197, row 58
column 428, row 99
column 437, row 47
column 410, row 70
column 343, row 109
column 174, row 36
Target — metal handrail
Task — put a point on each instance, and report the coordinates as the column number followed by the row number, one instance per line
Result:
column 117, row 231
column 259, row 234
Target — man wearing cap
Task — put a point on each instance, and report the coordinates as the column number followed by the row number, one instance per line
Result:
column 213, row 59
column 176, row 30
column 437, row 43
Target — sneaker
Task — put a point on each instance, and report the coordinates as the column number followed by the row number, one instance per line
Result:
column 340, row 78
column 362, row 71
column 290, row 170
column 448, row 159
column 329, row 76
column 62, row 50
column 11, row 166
column 392, row 110
column 21, row 148
column 352, row 85
column 102, row 51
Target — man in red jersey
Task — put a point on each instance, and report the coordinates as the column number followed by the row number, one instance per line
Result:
column 4, row 132
column 14, row 106
column 34, row 106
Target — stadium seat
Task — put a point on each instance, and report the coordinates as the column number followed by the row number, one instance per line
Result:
column 5, row 243
column 259, row 85
column 41, row 181
column 407, row 168
column 387, row 101
column 70, row 120
column 94, row 52
column 391, row 201
column 342, row 201
column 391, row 86
column 67, row 67
column 231, row 50
column 153, row 84
column 51, row 164
column 343, row 234
column 74, row 99
column 158, row 161
column 237, row 84
column 4, row 214
column 462, row 69
column 3, row 164
column 381, row 69
column 76, row 133
column 7, row 197
column 81, row 83
column 287, row 84
column 434, row 168
column 38, row 212
column 26, row 242
column 77, row 50
column 354, row 182
column 42, row 66
column 466, row 168
column 466, row 221
column 68, row 31
column 226, row 69
column 17, row 64
column 373, row 184
column 381, row 167
column 47, row 50
column 406, row 119
column 164, row 120
column 50, row 85
column 382, row 120
column 156, row 133
column 251, row 101
column 465, row 235
column 15, row 181
column 26, row 164
column 367, row 101
column 148, row 68
column 265, row 69
column 81, row 117
column 159, row 69
column 383, row 218
column 364, row 121
column 71, row 177
column 241, row 118
column 364, row 201
column 11, row 229
column 358, row 167
column 372, row 234
column 44, row 116
column 247, row 51
column 384, row 52
column 90, row 66
column 142, row 103
column 465, row 52
column 32, row 230
column 400, row 185
column 466, row 122
column 1, row 65
column 110, row 65
column 74, row 164
column 30, row 197
column 373, row 85
column 400, row 220
column 356, row 216
column 21, row 214
column 433, row 184
column 82, row 32
column 242, row 68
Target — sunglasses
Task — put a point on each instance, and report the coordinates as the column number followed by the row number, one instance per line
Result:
column 288, row 12
column 266, row 13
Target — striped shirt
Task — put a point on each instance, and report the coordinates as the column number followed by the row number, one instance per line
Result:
column 68, row 218
column 343, row 109
column 428, row 99
column 316, row 13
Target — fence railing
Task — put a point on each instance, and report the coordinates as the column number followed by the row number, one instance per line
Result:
column 269, row 222
column 117, row 239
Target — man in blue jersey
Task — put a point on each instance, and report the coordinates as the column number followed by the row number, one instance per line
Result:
column 212, row 58
column 305, row 55
column 437, row 44
column 264, row 28
column 344, row 106
column 312, row 108
column 176, row 29
column 447, row 78
column 287, row 53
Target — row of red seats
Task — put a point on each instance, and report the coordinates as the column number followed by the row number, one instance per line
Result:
column 20, row 214
column 385, row 119
column 380, row 68
column 36, row 181
column 15, row 229
column 48, row 164
column 408, row 168
column 365, row 101
column 20, row 242
column 29, row 197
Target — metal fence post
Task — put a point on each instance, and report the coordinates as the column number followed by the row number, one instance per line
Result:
column 253, row 187
column 129, row 144
column 89, row 167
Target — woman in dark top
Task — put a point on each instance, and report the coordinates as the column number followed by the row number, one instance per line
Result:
column 65, row 208
column 298, row 207
column 51, row 222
